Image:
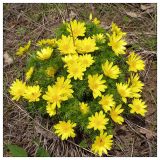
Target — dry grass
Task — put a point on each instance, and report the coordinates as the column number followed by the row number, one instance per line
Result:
column 137, row 137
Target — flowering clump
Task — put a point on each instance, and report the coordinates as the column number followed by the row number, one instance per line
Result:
column 85, row 80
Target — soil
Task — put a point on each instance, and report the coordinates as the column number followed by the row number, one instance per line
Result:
column 21, row 22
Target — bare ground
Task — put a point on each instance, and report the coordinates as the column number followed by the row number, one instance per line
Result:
column 138, row 136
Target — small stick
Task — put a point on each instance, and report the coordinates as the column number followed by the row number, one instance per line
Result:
column 70, row 24
column 147, row 71
column 132, row 147
column 152, row 96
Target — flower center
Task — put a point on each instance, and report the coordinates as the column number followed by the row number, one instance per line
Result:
column 95, row 86
column 101, row 142
column 123, row 92
column 65, row 128
column 137, row 107
column 56, row 98
column 75, row 70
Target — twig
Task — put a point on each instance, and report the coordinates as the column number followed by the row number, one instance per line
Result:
column 118, row 144
column 141, row 33
column 152, row 96
column 80, row 147
column 60, row 12
column 30, row 20
column 139, row 126
column 132, row 147
column 145, row 76
column 70, row 24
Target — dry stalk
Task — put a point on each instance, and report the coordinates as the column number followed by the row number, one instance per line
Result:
column 132, row 147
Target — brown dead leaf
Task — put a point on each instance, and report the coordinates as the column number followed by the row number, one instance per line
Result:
column 133, row 14
column 149, row 134
column 144, row 7
column 72, row 15
column 149, row 8
column 7, row 59
column 104, row 25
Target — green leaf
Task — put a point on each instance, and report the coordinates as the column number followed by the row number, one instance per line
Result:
column 17, row 151
column 83, row 143
column 41, row 152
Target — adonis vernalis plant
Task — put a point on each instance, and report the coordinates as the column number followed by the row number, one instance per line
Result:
column 84, row 79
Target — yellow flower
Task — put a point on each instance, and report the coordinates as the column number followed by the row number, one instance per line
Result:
column 138, row 106
column 65, row 129
column 53, row 96
column 51, row 109
column 23, row 49
column 76, row 28
column 42, row 42
column 32, row 93
column 45, row 53
column 98, row 121
column 111, row 70
column 76, row 70
column 99, row 37
column 107, row 102
column 124, row 91
column 17, row 89
column 59, row 92
column 117, row 44
column 135, row 63
column 117, row 30
column 86, row 60
column 66, row 45
column 96, row 84
column 64, row 85
column 135, row 85
column 114, row 113
column 84, row 107
column 83, row 61
column 96, row 21
column 90, row 16
column 50, row 71
column 29, row 73
column 69, row 59
column 102, row 144
column 76, row 65
column 86, row 45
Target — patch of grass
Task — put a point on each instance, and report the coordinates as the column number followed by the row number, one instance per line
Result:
column 6, row 6
column 126, row 19
column 136, row 46
column 150, row 43
column 21, row 31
